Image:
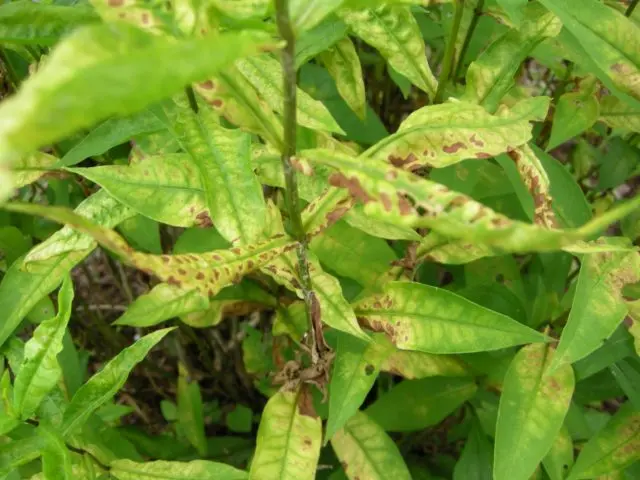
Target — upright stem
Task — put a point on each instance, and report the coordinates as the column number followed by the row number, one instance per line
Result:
column 632, row 7
column 467, row 39
column 292, row 198
column 450, row 52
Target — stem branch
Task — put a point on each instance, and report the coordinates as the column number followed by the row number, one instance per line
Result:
column 631, row 8
column 449, row 55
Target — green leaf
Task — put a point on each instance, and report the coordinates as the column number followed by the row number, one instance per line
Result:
column 190, row 417
column 619, row 114
column 491, row 76
column 366, row 451
column 575, row 112
column 56, row 458
column 111, row 71
column 531, row 412
column 515, row 9
column 31, row 167
column 394, row 32
column 343, row 64
column 25, row 22
column 560, row 458
column 222, row 157
column 195, row 469
column 40, row 370
column 432, row 320
column 321, row 37
column 111, row 133
column 265, row 74
column 598, row 305
column 417, row 404
column 614, row 447
column 355, row 369
column 102, row 386
column 306, row 14
column 162, row 303
column 475, row 459
column 289, row 438
column 442, row 135
column 18, row 452
column 607, row 37
column 141, row 184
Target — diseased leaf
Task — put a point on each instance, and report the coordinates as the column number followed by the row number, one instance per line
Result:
column 414, row 365
column 243, row 9
column 265, row 74
column 575, row 112
column 343, row 64
column 139, row 186
column 442, row 135
column 432, row 320
column 40, row 370
column 289, row 438
column 618, row 114
column 366, row 451
column 491, row 76
column 394, row 32
column 56, row 458
column 417, row 404
column 195, row 469
column 162, row 303
column 598, row 306
column 355, row 370
column 306, row 14
column 515, row 9
column 531, row 412
column 614, row 447
column 190, row 417
column 31, row 167
column 101, row 387
column 559, row 460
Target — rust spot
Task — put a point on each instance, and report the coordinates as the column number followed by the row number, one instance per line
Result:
column 514, row 155
column 400, row 162
column 404, row 205
column 619, row 68
column 453, row 148
column 145, row 18
column 628, row 321
column 377, row 305
column 173, row 281
column 554, row 384
column 182, row 271
column 458, row 201
column 199, row 276
column 483, row 155
column 369, row 369
column 208, row 85
column 476, row 141
column 336, row 215
column 306, row 441
column 353, row 185
column 250, row 264
column 264, row 256
column 236, row 250
column 301, row 167
column 115, row 3
column 305, row 403
column 344, row 465
column 216, row 257
column 203, row 219
column 386, row 202
column 216, row 102
column 165, row 258
column 210, row 292
column 216, row 274
column 499, row 222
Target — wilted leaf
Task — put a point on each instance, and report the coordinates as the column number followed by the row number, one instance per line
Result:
column 289, row 438
column 433, row 320
column 195, row 469
column 366, row 451
column 531, row 412
column 40, row 370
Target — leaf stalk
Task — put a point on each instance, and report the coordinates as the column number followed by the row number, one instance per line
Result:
column 450, row 52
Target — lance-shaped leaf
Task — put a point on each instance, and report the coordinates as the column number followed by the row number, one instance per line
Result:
column 190, row 417
column 200, row 469
column 110, row 71
column 405, row 199
column 325, row 210
column 531, row 412
column 428, row 319
column 105, row 384
column 31, row 167
column 306, row 14
column 40, row 370
column 56, row 457
column 607, row 37
column 18, row 452
column 417, row 404
column 366, row 451
column 394, row 32
column 475, row 459
column 343, row 63
column 25, row 22
column 265, row 74
column 208, row 273
column 619, row 114
column 231, row 95
column 289, row 438
column 355, row 370
column 166, row 188
column 491, row 76
column 145, row 15
column 614, row 447
column 315, row 41
column 560, row 458
column 21, row 290
column 222, row 156
column 442, row 135
column 414, row 365
column 162, row 303
column 598, row 305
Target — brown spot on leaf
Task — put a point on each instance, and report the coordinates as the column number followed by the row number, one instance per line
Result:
column 336, row 215
column 204, row 220
column 165, row 258
column 302, row 167
column 476, row 141
column 400, row 162
column 353, row 185
column 305, row 403
column 115, row 3
column 173, row 281
column 458, row 201
column 216, row 257
column 483, row 155
column 628, row 321
column 199, row 276
column 453, row 148
column 306, row 441
column 145, row 18
column 182, row 271
column 386, row 202
column 216, row 102
column 250, row 264
column 404, row 205
column 208, row 85
column 236, row 250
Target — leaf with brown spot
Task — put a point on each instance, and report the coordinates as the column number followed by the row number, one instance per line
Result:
column 532, row 409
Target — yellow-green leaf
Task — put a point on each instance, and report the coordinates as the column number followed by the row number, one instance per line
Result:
column 432, row 320
column 394, row 32
column 56, row 457
column 414, row 365
column 531, row 412
column 31, row 167
column 190, row 417
column 289, row 438
column 614, row 447
column 195, row 469
column 619, row 114
column 559, row 460
column 365, row 451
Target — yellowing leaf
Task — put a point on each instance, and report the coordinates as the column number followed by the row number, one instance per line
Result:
column 442, row 135
column 413, row 365
column 428, row 319
column 31, row 167
column 560, row 457
column 366, row 451
column 531, row 412
column 618, row 114
column 394, row 32
column 195, row 469
column 289, row 438
column 575, row 112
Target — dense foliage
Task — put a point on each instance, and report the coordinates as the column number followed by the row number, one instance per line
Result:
column 327, row 239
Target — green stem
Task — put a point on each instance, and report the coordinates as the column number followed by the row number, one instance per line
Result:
column 11, row 74
column 292, row 198
column 477, row 12
column 631, row 8
column 449, row 55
